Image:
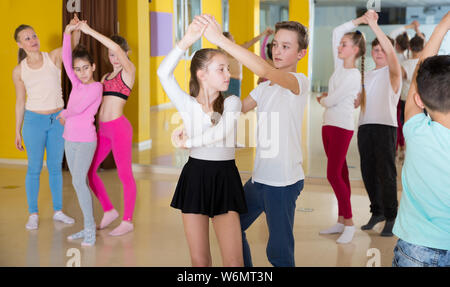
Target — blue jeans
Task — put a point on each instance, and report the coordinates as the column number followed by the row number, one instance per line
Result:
column 279, row 205
column 411, row 255
column 40, row 133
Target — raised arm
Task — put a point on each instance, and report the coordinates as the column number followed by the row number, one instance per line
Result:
column 165, row 71
column 339, row 32
column 431, row 49
column 122, row 56
column 395, row 71
column 252, row 42
column 67, row 54
column 56, row 55
column 20, row 105
column 255, row 63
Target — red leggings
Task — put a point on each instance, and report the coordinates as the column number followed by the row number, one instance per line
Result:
column 336, row 141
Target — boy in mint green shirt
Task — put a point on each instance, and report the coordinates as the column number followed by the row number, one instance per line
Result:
column 423, row 221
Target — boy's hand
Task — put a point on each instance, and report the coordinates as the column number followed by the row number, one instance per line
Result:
column 193, row 33
column 213, row 31
column 446, row 20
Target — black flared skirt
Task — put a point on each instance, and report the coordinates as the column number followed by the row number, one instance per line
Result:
column 209, row 188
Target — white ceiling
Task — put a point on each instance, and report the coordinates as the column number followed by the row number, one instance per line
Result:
column 384, row 3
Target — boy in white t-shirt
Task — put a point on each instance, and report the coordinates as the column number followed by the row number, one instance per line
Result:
column 377, row 132
column 278, row 175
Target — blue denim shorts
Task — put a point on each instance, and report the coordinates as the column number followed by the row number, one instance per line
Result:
column 411, row 255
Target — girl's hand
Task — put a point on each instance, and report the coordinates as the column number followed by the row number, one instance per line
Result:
column 213, row 31
column 61, row 119
column 75, row 19
column 84, row 27
column 179, row 137
column 18, row 142
column 72, row 27
column 361, row 20
column 372, row 17
column 357, row 102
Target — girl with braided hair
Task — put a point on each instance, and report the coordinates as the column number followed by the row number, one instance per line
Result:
column 338, row 123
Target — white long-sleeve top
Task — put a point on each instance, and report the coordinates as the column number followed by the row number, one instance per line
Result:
column 206, row 141
column 343, row 87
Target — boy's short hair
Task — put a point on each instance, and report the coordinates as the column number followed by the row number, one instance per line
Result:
column 433, row 83
column 301, row 30
column 377, row 42
column 416, row 44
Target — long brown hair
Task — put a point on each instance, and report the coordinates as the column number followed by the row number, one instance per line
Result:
column 359, row 40
column 22, row 54
column 200, row 61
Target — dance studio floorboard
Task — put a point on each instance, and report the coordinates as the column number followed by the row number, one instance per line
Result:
column 158, row 239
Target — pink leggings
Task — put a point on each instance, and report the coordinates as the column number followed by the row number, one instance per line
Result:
column 116, row 135
column 336, row 141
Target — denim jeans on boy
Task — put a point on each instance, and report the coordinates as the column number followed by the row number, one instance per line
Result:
column 40, row 133
column 411, row 255
column 279, row 205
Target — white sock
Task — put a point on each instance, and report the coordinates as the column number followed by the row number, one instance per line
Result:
column 337, row 228
column 33, row 222
column 347, row 235
column 60, row 216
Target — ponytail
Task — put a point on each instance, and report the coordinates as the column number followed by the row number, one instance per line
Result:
column 22, row 54
column 360, row 40
column 363, row 90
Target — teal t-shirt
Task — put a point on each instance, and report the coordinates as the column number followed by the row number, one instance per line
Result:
column 424, row 214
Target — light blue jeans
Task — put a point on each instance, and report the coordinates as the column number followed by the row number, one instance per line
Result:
column 40, row 133
column 411, row 255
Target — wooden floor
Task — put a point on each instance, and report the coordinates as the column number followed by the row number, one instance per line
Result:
column 158, row 239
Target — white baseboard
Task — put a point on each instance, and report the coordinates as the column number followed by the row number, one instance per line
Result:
column 162, row 107
column 145, row 145
column 14, row 161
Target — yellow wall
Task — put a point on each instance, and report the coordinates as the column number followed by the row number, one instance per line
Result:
column 244, row 26
column 45, row 16
column 134, row 25
column 157, row 94
column 299, row 11
column 212, row 7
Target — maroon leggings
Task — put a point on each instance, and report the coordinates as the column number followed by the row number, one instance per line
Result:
column 336, row 141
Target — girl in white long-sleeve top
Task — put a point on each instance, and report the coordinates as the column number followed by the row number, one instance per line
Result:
column 209, row 185
column 338, row 123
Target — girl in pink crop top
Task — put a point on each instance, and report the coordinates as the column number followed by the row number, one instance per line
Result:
column 116, row 87
column 115, row 133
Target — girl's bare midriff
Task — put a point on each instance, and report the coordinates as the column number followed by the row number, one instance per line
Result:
column 111, row 108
